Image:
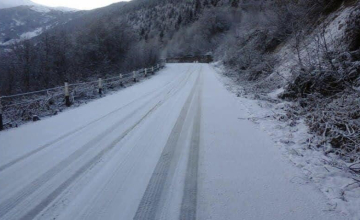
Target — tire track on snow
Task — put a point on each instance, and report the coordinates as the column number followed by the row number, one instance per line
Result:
column 150, row 203
column 11, row 203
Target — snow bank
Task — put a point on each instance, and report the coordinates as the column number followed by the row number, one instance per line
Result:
column 329, row 173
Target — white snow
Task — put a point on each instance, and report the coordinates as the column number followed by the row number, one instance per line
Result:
column 336, row 184
column 65, row 9
column 31, row 34
column 46, row 9
column 24, row 36
column 15, row 3
column 18, row 23
column 41, row 8
column 274, row 94
column 8, row 42
column 242, row 173
column 334, row 25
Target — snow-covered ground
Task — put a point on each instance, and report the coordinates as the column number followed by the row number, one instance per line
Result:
column 329, row 173
column 177, row 146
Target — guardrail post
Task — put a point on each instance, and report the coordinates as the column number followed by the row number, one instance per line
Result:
column 1, row 117
column 153, row 72
column 121, row 81
column 134, row 76
column 145, row 72
column 67, row 94
column 100, row 86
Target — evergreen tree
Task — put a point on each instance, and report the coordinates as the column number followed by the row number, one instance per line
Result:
column 206, row 4
column 178, row 22
column 214, row 2
column 235, row 3
column 197, row 6
column 161, row 36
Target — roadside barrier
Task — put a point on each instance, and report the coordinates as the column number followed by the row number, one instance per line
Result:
column 27, row 105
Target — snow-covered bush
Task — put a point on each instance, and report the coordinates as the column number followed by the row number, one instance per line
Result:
column 326, row 91
column 325, row 82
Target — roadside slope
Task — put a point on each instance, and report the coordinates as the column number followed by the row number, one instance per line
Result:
column 243, row 174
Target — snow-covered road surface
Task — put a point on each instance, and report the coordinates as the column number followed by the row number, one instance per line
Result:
column 171, row 147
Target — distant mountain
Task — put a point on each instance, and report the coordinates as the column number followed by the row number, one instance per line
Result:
column 15, row 3
column 29, row 20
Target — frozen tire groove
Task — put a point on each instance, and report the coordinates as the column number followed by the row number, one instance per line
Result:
column 45, row 202
column 149, row 205
column 37, row 183
column 31, row 214
column 21, row 158
column 25, row 192
column 189, row 201
column 33, row 186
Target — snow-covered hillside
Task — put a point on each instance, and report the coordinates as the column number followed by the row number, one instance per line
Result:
column 28, row 21
column 15, row 3
column 24, row 19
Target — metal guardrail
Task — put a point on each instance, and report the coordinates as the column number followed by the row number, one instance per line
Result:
column 25, row 105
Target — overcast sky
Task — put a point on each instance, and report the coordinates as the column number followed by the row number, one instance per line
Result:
column 78, row 4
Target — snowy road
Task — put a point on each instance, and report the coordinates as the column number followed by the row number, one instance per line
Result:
column 171, row 147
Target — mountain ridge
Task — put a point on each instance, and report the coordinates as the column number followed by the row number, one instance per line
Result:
column 15, row 3
column 27, row 21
